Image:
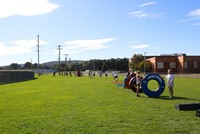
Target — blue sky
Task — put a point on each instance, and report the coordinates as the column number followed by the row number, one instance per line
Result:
column 97, row 29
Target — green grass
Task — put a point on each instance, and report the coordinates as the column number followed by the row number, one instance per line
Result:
column 50, row 105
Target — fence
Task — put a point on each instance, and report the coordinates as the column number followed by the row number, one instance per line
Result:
column 184, row 75
column 187, row 75
column 15, row 76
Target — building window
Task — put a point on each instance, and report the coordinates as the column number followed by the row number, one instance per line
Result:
column 160, row 65
column 185, row 64
column 172, row 65
column 195, row 64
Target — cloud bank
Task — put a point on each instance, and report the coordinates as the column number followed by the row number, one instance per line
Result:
column 10, row 8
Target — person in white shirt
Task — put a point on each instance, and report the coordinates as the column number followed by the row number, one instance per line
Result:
column 115, row 76
column 170, row 82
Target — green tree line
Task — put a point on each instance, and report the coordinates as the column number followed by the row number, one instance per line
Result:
column 119, row 64
column 94, row 64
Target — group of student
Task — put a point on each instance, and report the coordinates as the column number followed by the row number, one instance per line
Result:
column 134, row 80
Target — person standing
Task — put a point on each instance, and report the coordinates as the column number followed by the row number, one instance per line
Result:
column 170, row 82
column 100, row 74
column 132, row 82
column 106, row 75
column 127, row 78
column 115, row 76
column 138, row 82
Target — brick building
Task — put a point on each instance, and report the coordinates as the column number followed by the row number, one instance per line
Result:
column 179, row 63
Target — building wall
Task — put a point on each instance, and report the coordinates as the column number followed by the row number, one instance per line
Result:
column 153, row 61
column 178, row 63
column 162, row 63
column 193, row 64
column 166, row 60
column 183, row 64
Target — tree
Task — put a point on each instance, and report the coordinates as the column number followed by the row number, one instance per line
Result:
column 35, row 66
column 136, row 59
column 62, row 67
column 44, row 67
column 28, row 65
column 148, row 66
column 15, row 66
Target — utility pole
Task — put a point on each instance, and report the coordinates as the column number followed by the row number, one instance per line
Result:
column 59, row 48
column 38, row 50
column 66, row 62
column 145, row 63
column 94, row 65
column 69, row 64
column 31, row 64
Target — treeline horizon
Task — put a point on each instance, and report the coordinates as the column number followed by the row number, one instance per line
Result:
column 121, row 64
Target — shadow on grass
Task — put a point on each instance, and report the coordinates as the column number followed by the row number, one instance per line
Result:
column 176, row 98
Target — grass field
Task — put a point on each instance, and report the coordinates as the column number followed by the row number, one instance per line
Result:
column 73, row 105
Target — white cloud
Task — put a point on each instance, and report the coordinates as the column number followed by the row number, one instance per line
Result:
column 18, row 47
column 140, row 46
column 196, row 24
column 189, row 19
column 133, row 42
column 147, row 4
column 144, row 14
column 139, row 14
column 195, row 13
column 192, row 16
column 158, row 15
column 77, row 46
column 25, row 7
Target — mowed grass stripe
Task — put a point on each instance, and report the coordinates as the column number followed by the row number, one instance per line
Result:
column 85, row 105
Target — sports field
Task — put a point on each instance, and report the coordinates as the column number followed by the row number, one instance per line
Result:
column 83, row 105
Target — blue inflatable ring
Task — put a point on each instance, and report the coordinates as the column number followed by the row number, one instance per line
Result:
column 158, row 91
